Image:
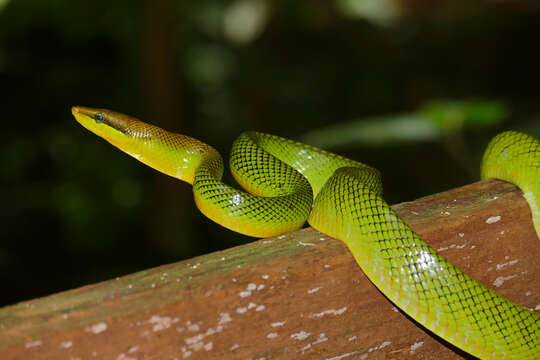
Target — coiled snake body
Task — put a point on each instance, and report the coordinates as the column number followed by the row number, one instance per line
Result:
column 288, row 182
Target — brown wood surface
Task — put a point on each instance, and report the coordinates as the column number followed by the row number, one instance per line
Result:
column 297, row 296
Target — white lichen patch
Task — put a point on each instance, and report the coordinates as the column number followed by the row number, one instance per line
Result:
column 322, row 338
column 97, row 328
column 66, row 344
column 133, row 349
column 249, row 289
column 244, row 294
column 265, row 276
column 461, row 235
column 161, row 322
column 300, row 243
column 278, row 323
column 501, row 279
column 260, row 308
column 272, row 335
column 234, row 347
column 314, row 290
column 381, row 346
column 224, row 318
column 493, row 219
column 352, row 338
column 509, row 263
column 32, row 344
column 302, row 335
column 415, row 346
column 346, row 355
column 328, row 312
column 123, row 356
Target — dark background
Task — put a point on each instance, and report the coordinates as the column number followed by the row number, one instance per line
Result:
column 75, row 210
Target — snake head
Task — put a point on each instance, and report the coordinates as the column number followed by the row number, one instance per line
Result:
column 173, row 154
column 108, row 124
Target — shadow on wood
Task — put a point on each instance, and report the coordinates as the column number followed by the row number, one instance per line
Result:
column 297, row 296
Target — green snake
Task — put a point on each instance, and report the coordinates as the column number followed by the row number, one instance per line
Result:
column 288, row 182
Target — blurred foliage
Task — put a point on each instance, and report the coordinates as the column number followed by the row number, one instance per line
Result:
column 432, row 122
column 77, row 211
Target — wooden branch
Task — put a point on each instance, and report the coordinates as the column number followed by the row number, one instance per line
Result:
column 296, row 296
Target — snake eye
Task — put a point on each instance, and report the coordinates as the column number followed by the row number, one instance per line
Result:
column 99, row 117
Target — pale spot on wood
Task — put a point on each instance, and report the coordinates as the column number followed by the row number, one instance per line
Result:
column 66, row 344
column 224, row 318
column 33, row 344
column 251, row 286
column 161, row 322
column 302, row 335
column 244, row 294
column 278, row 323
column 346, row 355
column 314, row 290
column 123, row 356
column 509, row 263
column 493, row 219
column 328, row 312
column 415, row 346
column 234, row 347
column 272, row 335
column 501, row 279
column 381, row 346
column 97, row 328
